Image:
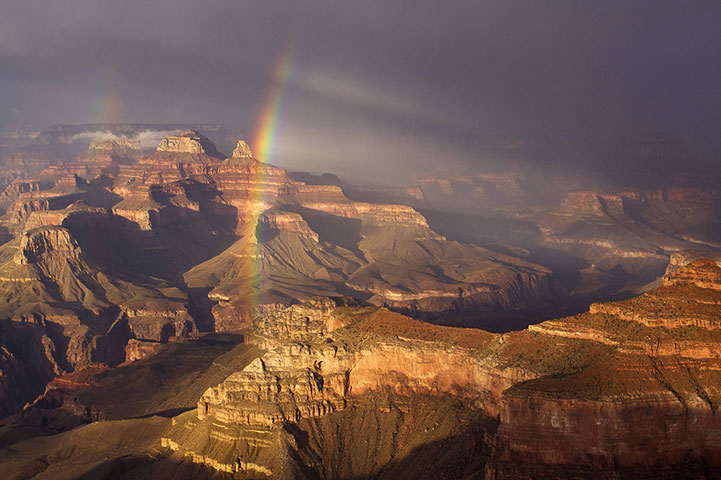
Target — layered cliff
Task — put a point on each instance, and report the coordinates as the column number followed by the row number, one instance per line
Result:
column 326, row 356
column 681, row 259
column 586, row 396
column 630, row 232
column 68, row 314
column 645, row 409
column 123, row 244
column 332, row 389
column 190, row 142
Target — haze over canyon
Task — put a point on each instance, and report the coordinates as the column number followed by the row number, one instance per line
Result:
column 300, row 315
column 392, row 240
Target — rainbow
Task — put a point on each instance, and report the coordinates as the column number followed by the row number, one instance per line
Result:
column 108, row 106
column 263, row 142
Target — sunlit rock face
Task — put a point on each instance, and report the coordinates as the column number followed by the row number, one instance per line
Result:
column 187, row 142
column 648, row 410
column 681, row 259
column 602, row 393
column 120, row 145
column 307, row 372
column 242, row 150
column 700, row 273
column 47, row 245
column 325, row 356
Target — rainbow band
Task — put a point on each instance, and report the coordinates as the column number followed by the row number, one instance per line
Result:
column 108, row 107
column 263, row 142
column 267, row 128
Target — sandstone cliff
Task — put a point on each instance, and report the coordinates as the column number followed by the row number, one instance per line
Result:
column 332, row 389
column 119, row 244
column 187, row 142
column 322, row 357
column 644, row 409
column 681, row 259
column 597, row 394
column 120, row 250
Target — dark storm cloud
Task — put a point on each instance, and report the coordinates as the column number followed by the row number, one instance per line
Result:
column 393, row 83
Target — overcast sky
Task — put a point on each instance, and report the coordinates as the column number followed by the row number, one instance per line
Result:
column 390, row 83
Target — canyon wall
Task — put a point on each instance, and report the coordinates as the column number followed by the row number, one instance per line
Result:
column 586, row 396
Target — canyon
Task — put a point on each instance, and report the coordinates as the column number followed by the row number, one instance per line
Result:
column 330, row 388
column 216, row 316
column 121, row 244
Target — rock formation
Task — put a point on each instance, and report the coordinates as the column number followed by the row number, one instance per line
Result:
column 73, row 315
column 332, row 389
column 121, row 244
column 645, row 407
column 242, row 150
column 120, row 145
column 129, row 274
column 597, row 394
column 681, row 259
column 187, row 142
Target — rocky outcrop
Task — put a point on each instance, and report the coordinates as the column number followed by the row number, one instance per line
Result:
column 120, row 145
column 74, row 314
column 47, row 245
column 278, row 220
column 689, row 297
column 646, row 408
column 187, row 142
column 595, row 204
column 242, row 150
column 701, row 273
column 592, row 395
column 681, row 259
column 372, row 213
column 341, row 347
column 324, row 356
column 63, row 192
column 138, row 349
column 18, row 187
column 77, row 212
column 159, row 325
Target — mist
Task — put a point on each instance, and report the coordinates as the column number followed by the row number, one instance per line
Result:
column 144, row 139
